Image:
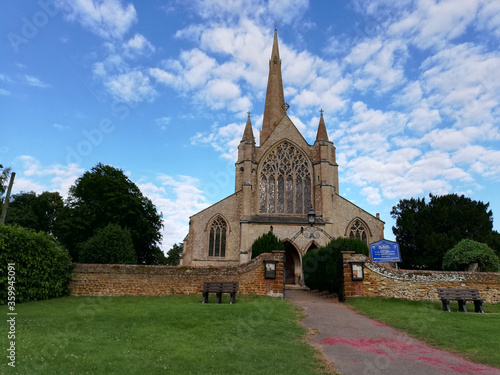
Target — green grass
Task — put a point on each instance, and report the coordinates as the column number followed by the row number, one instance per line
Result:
column 474, row 336
column 158, row 335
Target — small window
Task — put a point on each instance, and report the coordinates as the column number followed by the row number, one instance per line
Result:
column 217, row 238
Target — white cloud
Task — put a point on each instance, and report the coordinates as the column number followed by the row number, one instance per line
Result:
column 39, row 178
column 138, row 45
column 177, row 198
column 35, row 82
column 109, row 19
column 132, row 87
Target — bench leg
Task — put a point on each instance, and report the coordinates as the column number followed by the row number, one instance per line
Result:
column 233, row 298
column 446, row 305
column 219, row 297
column 478, row 306
column 461, row 306
column 205, row 297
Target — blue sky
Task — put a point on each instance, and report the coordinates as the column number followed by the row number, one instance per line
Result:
column 160, row 89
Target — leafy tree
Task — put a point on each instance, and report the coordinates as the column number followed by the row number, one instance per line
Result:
column 266, row 244
column 174, row 255
column 102, row 196
column 42, row 267
column 320, row 265
column 35, row 212
column 110, row 245
column 467, row 252
column 426, row 231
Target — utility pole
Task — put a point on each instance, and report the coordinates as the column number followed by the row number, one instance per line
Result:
column 7, row 198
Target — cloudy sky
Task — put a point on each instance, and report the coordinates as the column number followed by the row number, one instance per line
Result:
column 160, row 89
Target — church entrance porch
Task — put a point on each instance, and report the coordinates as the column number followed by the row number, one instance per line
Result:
column 292, row 264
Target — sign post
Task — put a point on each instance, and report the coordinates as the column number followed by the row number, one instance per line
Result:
column 385, row 252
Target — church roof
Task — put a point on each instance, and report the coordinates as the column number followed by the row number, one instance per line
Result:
column 322, row 135
column 275, row 99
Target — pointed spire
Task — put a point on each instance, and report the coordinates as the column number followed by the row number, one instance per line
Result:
column 248, row 133
column 322, row 135
column 275, row 99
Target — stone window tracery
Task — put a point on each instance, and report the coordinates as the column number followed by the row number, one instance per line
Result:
column 358, row 231
column 285, row 181
column 217, row 238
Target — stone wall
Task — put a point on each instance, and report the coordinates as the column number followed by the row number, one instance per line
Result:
column 384, row 282
column 120, row 280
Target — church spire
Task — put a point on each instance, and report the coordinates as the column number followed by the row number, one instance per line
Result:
column 275, row 100
column 248, row 133
column 322, row 135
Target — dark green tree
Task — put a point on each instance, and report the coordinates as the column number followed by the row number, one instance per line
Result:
column 37, row 212
column 110, row 245
column 320, row 265
column 266, row 244
column 425, row 231
column 174, row 255
column 468, row 252
column 102, row 196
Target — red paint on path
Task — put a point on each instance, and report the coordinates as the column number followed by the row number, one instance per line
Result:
column 394, row 348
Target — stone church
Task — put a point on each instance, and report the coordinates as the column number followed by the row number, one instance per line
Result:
column 283, row 185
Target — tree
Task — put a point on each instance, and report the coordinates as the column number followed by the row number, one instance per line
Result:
column 174, row 255
column 4, row 180
column 42, row 267
column 320, row 265
column 110, row 245
column 426, row 231
column 468, row 252
column 266, row 244
column 35, row 212
column 102, row 196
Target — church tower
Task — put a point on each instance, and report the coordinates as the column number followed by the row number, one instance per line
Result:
column 277, row 183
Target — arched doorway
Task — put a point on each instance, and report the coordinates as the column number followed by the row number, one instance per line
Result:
column 292, row 264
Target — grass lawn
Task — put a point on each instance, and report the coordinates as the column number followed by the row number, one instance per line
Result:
column 474, row 336
column 158, row 335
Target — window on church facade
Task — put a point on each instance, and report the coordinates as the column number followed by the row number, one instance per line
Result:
column 358, row 231
column 285, row 182
column 217, row 239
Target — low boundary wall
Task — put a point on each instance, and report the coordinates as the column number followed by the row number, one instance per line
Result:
column 120, row 280
column 414, row 285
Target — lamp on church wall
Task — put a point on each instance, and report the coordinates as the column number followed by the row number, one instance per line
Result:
column 311, row 217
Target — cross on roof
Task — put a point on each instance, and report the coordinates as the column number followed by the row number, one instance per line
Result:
column 321, row 111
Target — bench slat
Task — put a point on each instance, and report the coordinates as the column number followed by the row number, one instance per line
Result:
column 219, row 287
column 462, row 296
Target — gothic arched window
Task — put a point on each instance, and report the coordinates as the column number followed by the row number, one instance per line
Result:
column 285, row 181
column 217, row 238
column 358, row 231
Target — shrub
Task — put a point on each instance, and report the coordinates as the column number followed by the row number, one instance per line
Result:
column 468, row 251
column 266, row 244
column 320, row 265
column 42, row 267
column 110, row 245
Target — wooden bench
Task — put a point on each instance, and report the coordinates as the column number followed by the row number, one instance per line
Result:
column 462, row 296
column 219, row 287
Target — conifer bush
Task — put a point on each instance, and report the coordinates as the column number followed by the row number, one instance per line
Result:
column 320, row 265
column 41, row 268
column 266, row 243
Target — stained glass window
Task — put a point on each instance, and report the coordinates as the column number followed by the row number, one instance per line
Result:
column 358, row 231
column 285, row 181
column 217, row 239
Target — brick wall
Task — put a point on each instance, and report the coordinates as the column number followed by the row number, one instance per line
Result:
column 119, row 280
column 414, row 285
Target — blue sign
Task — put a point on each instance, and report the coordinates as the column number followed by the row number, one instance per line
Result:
column 385, row 251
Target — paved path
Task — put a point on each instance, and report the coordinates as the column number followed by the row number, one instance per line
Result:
column 359, row 345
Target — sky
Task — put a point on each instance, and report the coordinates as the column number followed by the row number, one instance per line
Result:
column 161, row 89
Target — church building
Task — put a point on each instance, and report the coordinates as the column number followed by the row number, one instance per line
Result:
column 283, row 185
